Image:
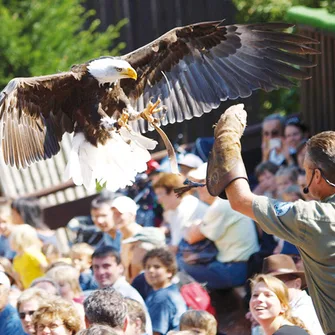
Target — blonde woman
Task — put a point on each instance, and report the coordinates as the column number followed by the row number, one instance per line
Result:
column 269, row 305
column 199, row 321
column 29, row 261
column 28, row 303
column 56, row 316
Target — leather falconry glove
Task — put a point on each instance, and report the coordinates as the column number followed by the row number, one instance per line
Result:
column 225, row 162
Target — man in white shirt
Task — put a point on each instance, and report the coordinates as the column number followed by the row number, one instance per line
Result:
column 179, row 212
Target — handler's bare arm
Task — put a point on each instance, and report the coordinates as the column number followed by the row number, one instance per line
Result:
column 241, row 197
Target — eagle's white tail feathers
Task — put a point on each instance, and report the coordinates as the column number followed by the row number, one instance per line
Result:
column 116, row 163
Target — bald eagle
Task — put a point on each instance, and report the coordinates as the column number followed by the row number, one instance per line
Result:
column 107, row 103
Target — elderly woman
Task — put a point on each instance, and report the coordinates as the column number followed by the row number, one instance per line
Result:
column 269, row 306
column 56, row 316
column 28, row 303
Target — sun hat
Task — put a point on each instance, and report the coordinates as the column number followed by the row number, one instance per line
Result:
column 280, row 265
column 191, row 160
column 148, row 234
column 199, row 173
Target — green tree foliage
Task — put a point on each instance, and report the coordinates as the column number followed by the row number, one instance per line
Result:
column 47, row 36
column 280, row 101
column 274, row 10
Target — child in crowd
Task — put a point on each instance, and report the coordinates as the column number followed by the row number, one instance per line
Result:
column 81, row 255
column 67, row 277
column 265, row 173
column 285, row 177
column 200, row 321
column 291, row 193
column 29, row 261
column 53, row 255
column 165, row 303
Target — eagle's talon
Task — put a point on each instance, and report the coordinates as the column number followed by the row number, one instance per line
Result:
column 151, row 109
column 123, row 120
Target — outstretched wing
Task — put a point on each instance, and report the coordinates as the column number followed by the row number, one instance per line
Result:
column 34, row 114
column 194, row 68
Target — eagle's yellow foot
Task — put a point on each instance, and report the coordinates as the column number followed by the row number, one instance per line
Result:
column 147, row 113
column 123, row 120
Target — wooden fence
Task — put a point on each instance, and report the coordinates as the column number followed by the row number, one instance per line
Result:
column 318, row 94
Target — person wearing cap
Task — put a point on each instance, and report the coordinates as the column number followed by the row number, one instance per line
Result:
column 233, row 234
column 284, row 268
column 146, row 239
column 10, row 323
column 309, row 225
column 124, row 211
column 188, row 163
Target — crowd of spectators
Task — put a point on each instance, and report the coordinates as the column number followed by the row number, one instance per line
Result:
column 121, row 273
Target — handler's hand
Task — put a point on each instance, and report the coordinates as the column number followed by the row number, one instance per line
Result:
column 233, row 119
column 225, row 162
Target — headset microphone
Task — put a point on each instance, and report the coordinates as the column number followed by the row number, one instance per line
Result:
column 306, row 189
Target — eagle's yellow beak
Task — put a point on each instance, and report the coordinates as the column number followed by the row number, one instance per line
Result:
column 131, row 73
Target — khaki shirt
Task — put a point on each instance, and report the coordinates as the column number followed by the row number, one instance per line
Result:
column 311, row 227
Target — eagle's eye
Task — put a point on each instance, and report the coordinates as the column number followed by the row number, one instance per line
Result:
column 118, row 69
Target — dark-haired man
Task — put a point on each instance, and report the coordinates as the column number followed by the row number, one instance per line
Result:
column 308, row 225
column 108, row 272
column 106, row 306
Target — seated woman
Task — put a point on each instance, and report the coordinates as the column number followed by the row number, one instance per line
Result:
column 233, row 234
column 269, row 306
column 57, row 315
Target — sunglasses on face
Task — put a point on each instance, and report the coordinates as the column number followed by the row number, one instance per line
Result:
column 22, row 315
column 271, row 133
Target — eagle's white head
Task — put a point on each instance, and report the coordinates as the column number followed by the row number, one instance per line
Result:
column 109, row 70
